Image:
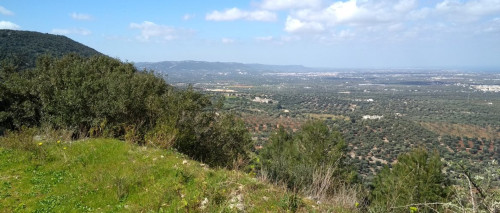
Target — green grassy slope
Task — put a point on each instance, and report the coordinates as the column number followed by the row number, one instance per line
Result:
column 107, row 175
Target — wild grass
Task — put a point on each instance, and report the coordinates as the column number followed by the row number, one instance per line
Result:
column 108, row 175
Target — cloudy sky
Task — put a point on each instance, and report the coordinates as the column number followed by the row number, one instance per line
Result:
column 317, row 33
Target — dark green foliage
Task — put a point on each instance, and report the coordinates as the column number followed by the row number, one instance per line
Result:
column 80, row 93
column 416, row 179
column 24, row 47
column 220, row 143
column 19, row 105
column 305, row 159
column 100, row 96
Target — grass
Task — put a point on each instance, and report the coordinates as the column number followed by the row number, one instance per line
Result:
column 108, row 175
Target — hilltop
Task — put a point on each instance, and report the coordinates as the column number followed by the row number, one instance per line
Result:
column 108, row 175
column 48, row 163
column 26, row 46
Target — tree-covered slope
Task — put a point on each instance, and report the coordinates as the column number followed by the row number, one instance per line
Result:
column 26, row 46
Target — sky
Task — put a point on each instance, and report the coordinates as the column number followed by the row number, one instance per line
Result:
column 314, row 33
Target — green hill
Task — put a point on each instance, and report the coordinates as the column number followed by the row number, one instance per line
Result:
column 26, row 46
column 44, row 110
column 108, row 175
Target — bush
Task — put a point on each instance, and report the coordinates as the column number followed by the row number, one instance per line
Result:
column 21, row 140
column 26, row 139
column 312, row 160
column 416, row 179
column 79, row 93
column 102, row 97
column 218, row 143
column 476, row 192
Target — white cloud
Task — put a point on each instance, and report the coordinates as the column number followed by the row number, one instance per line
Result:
column 468, row 11
column 6, row 12
column 227, row 40
column 73, row 31
column 235, row 14
column 353, row 12
column 81, row 16
column 335, row 37
column 338, row 12
column 150, row 30
column 346, row 34
column 289, row 4
column 405, row 5
column 187, row 17
column 264, row 38
column 354, row 15
column 7, row 25
column 290, row 38
column 342, row 11
column 492, row 26
column 371, row 20
column 419, row 14
column 293, row 25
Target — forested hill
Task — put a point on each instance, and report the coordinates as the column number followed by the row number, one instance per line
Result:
column 26, row 46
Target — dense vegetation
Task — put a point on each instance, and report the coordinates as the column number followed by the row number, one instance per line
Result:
column 416, row 178
column 25, row 47
column 316, row 149
column 312, row 160
column 103, row 97
column 458, row 121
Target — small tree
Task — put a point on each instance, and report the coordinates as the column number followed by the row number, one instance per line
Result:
column 312, row 160
column 227, row 141
column 415, row 180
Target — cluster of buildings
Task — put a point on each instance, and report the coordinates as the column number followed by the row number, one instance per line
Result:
column 487, row 88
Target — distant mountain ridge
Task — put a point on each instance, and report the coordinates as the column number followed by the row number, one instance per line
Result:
column 196, row 71
column 165, row 66
column 26, row 46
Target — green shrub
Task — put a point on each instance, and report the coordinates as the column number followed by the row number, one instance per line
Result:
column 21, row 140
column 102, row 97
column 416, row 179
column 26, row 139
column 312, row 160
column 291, row 202
column 218, row 142
column 19, row 105
column 162, row 136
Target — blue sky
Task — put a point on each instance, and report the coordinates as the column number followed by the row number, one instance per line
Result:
column 317, row 33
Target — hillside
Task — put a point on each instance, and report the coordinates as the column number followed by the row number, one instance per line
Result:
column 169, row 132
column 26, row 46
column 108, row 175
column 166, row 66
column 194, row 71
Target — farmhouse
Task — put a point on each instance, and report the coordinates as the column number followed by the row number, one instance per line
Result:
column 262, row 100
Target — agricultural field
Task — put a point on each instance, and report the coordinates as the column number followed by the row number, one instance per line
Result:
column 381, row 113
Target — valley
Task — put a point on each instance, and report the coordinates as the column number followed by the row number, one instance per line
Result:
column 381, row 113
